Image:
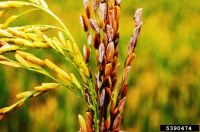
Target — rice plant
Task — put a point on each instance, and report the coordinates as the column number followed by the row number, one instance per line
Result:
column 101, row 89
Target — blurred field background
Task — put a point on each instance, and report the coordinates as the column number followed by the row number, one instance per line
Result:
column 164, row 81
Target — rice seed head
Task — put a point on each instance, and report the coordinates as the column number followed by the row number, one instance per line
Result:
column 97, row 40
column 11, row 4
column 21, row 41
column 47, row 86
column 84, row 23
column 50, row 85
column 116, row 123
column 94, row 25
column 49, row 41
column 4, row 33
column 62, row 39
column 31, row 58
column 121, row 104
column 110, row 52
column 34, row 37
column 17, row 33
column 110, row 32
column 102, row 98
column 108, row 69
column 101, row 52
column 138, row 16
column 108, row 123
column 130, row 59
column 89, row 38
column 9, row 63
column 24, row 94
column 124, row 90
column 50, row 64
column 56, row 69
column 82, row 123
column 107, row 82
column 86, row 53
column 8, row 48
column 103, row 10
column 22, row 61
column 89, row 122
column 58, row 45
column 125, row 73
column 40, row 44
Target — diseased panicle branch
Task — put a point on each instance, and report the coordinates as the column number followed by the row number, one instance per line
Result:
column 103, row 21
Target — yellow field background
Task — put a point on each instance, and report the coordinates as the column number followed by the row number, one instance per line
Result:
column 164, row 83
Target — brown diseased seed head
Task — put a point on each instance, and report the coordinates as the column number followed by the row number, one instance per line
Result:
column 110, row 32
column 124, row 90
column 84, row 23
column 130, row 59
column 110, row 52
column 101, row 52
column 108, row 69
column 103, row 10
column 102, row 97
column 107, row 82
column 125, row 73
column 94, row 25
column 116, row 123
column 138, row 16
column 86, row 53
column 97, row 40
column 121, row 104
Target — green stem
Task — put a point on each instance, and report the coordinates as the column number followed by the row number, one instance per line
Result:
column 95, row 106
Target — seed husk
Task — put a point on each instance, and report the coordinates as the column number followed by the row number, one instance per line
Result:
column 84, row 23
column 24, row 94
column 86, row 53
column 138, row 16
column 8, row 48
column 4, row 33
column 103, row 10
column 97, row 40
column 22, row 61
column 11, row 4
column 110, row 52
column 108, row 69
column 124, row 90
column 55, row 68
column 130, row 59
column 9, row 63
column 94, row 25
column 116, row 122
column 110, row 33
column 101, row 52
column 121, row 104
column 102, row 97
column 125, row 73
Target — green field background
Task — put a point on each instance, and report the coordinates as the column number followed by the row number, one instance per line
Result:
column 164, row 80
